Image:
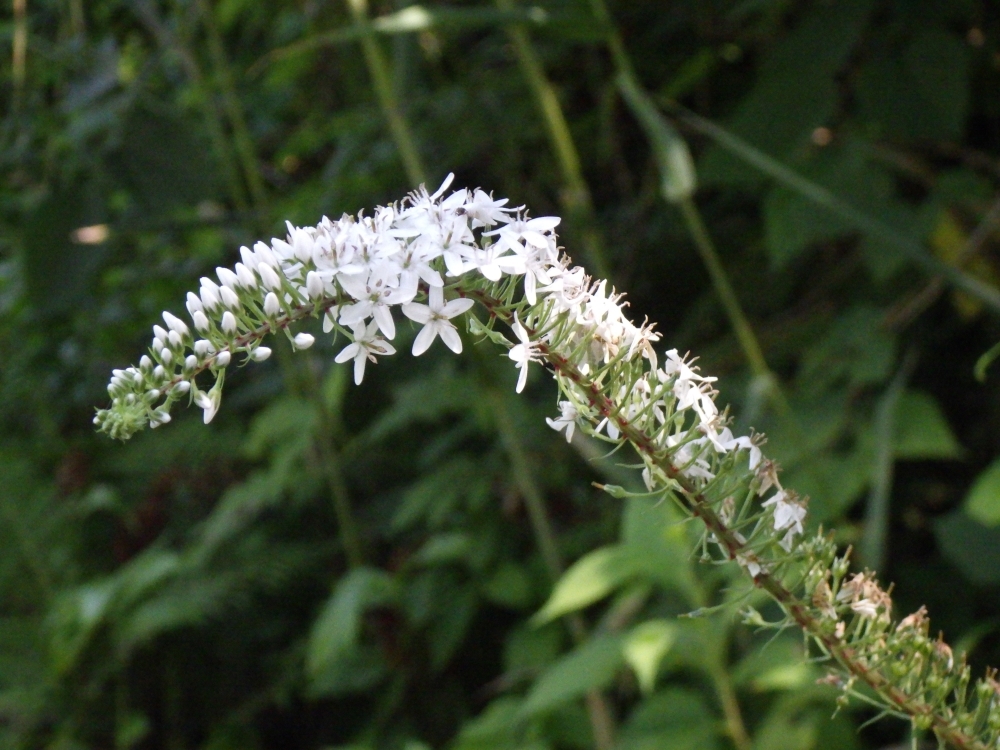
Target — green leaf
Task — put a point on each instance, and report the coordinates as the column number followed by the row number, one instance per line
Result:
column 983, row 501
column 919, row 91
column 644, row 648
column 791, row 221
column 509, row 586
column 922, row 430
column 673, row 719
column 589, row 579
column 796, row 90
column 338, row 628
column 972, row 547
column 591, row 665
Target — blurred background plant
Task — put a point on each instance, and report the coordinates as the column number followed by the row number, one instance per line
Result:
column 805, row 194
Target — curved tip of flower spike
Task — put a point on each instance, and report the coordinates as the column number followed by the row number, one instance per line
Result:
column 121, row 422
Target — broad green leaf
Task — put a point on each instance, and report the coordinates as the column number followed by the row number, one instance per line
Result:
column 922, row 430
column 983, row 501
column 795, row 92
column 644, row 648
column 591, row 665
column 530, row 649
column 440, row 549
column 673, row 719
column 338, row 627
column 971, row 546
column 510, row 585
column 919, row 91
column 654, row 532
column 592, row 577
column 791, row 220
column 780, row 665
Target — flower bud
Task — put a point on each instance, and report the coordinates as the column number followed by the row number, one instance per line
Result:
column 229, row 279
column 183, row 386
column 260, row 354
column 175, row 339
column 246, row 276
column 145, row 362
column 303, row 340
column 200, row 321
column 229, row 298
column 194, row 303
column 159, row 372
column 314, row 285
column 159, row 332
column 166, row 356
column 271, row 305
column 269, row 277
column 264, row 255
column 228, row 323
column 175, row 324
column 190, row 362
column 249, row 258
column 223, row 358
column 203, row 347
column 209, row 293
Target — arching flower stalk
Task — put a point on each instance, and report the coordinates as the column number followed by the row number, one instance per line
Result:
column 454, row 250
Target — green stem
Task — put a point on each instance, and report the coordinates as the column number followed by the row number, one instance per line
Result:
column 213, row 120
column 825, row 198
column 735, row 726
column 575, row 195
column 873, row 542
column 378, row 69
column 234, row 110
column 720, row 281
column 598, row 711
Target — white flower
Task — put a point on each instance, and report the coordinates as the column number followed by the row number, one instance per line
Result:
column 303, row 340
column 436, row 319
column 271, row 305
column 366, row 345
column 522, row 353
column 566, row 420
column 209, row 402
column 788, row 514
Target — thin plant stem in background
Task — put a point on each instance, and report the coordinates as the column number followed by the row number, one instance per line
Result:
column 833, row 203
column 19, row 51
column 168, row 43
column 602, row 722
column 378, row 69
column 575, row 195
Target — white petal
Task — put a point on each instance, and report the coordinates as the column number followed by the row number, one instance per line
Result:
column 417, row 312
column 449, row 335
column 384, row 318
column 347, row 352
column 457, row 307
column 424, row 339
column 359, row 366
column 523, row 377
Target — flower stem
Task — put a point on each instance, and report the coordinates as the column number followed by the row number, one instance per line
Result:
column 876, row 675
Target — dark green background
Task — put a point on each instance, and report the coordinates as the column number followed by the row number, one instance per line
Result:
column 188, row 589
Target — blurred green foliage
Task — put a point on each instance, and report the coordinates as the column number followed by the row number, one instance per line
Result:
column 192, row 588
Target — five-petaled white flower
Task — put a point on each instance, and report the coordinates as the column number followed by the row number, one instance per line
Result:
column 566, row 419
column 522, row 353
column 788, row 514
column 436, row 318
column 366, row 345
